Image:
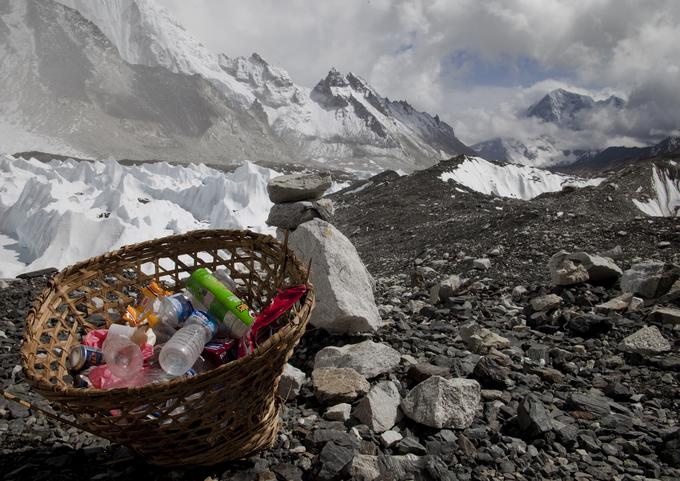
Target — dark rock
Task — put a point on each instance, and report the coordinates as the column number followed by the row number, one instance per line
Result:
column 532, row 417
column 592, row 403
column 288, row 471
column 669, row 450
column 323, row 436
column 40, row 273
column 419, row 372
column 333, row 459
column 589, row 325
column 490, row 374
column 409, row 445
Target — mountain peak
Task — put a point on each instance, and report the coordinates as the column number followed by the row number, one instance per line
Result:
column 335, row 79
column 561, row 106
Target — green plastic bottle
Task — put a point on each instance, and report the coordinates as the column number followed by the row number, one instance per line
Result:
column 222, row 304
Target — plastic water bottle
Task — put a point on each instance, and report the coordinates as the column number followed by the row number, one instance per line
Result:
column 122, row 356
column 180, row 353
column 175, row 309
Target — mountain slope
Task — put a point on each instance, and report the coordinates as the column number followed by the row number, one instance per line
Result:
column 617, row 157
column 63, row 79
column 121, row 78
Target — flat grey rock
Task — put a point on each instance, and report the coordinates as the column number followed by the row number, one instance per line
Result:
column 296, row 187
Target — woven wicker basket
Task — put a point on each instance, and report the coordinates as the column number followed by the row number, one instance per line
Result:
column 224, row 414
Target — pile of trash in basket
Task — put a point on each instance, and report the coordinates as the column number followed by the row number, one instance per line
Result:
column 168, row 335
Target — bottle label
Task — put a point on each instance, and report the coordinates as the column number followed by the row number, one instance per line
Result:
column 202, row 319
column 181, row 306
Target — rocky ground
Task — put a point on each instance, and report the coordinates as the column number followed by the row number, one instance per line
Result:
column 465, row 291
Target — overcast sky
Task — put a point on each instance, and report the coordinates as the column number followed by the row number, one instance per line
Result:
column 475, row 63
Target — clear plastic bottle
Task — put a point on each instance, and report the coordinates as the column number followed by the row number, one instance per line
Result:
column 169, row 315
column 175, row 309
column 180, row 353
column 122, row 356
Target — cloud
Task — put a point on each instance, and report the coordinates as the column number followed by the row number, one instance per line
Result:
column 474, row 63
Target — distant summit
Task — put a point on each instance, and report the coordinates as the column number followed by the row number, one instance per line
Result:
column 561, row 107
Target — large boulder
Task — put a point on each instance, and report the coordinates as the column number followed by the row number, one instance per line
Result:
column 443, row 403
column 296, row 187
column 344, row 287
column 600, row 269
column 368, row 358
column 292, row 214
column 379, row 410
column 568, row 269
column 650, row 279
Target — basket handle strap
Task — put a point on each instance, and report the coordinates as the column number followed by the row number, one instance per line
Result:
column 11, row 397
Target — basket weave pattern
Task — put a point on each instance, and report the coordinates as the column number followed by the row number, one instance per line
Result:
column 224, row 414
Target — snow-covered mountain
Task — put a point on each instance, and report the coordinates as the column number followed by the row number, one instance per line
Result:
column 509, row 180
column 563, row 107
column 122, row 78
column 567, row 110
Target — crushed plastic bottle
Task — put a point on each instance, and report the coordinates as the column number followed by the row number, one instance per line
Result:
column 122, row 355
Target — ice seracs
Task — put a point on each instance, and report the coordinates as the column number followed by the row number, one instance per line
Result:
column 665, row 201
column 509, row 180
column 57, row 213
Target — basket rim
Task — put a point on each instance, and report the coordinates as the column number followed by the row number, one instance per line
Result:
column 74, row 392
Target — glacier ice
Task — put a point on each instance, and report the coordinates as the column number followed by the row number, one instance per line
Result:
column 666, row 200
column 57, row 213
column 510, row 180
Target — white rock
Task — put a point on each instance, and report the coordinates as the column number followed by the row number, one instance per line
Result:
column 447, row 288
column 339, row 412
column 443, row 403
column 344, row 288
column 368, row 358
column 647, row 340
column 379, row 409
column 619, row 303
column 292, row 380
column 481, row 264
column 545, row 303
column 390, row 438
column 564, row 271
